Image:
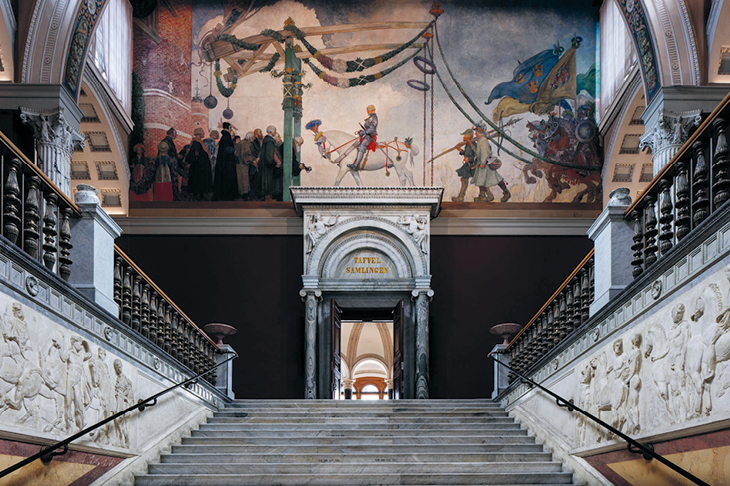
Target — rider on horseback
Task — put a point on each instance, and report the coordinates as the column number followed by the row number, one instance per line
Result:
column 368, row 137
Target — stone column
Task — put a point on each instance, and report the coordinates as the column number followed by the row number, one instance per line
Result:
column 669, row 132
column 422, row 298
column 671, row 115
column 501, row 380
column 92, row 254
column 388, row 387
column 55, row 140
column 612, row 239
column 310, row 298
column 224, row 374
column 347, row 386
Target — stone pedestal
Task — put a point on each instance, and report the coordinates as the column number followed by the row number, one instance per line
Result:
column 500, row 372
column 93, row 250
column 224, row 374
column 672, row 114
column 612, row 239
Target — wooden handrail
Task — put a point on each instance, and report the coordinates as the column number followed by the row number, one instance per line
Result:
column 687, row 146
column 157, row 289
column 38, row 172
column 552, row 297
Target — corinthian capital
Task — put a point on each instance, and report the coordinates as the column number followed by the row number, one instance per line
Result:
column 50, row 127
column 671, row 130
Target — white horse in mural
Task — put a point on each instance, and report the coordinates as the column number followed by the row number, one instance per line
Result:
column 343, row 144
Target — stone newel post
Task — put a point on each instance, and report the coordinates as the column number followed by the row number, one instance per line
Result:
column 55, row 141
column 93, row 250
column 611, row 236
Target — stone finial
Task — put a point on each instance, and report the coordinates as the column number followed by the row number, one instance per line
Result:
column 86, row 194
column 620, row 197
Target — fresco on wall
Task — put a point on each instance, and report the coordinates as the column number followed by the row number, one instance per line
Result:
column 494, row 101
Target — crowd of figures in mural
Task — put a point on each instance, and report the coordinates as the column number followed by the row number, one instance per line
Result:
column 63, row 387
column 669, row 370
column 521, row 128
column 221, row 167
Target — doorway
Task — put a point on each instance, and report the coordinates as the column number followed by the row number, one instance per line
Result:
column 364, row 347
column 366, row 352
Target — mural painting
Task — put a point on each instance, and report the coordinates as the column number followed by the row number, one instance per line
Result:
column 494, row 102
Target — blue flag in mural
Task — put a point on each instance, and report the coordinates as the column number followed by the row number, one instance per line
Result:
column 527, row 78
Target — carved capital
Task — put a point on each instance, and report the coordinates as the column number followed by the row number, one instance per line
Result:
column 317, row 294
column 51, row 128
column 427, row 293
column 671, row 130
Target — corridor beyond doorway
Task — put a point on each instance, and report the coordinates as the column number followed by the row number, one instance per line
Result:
column 367, row 360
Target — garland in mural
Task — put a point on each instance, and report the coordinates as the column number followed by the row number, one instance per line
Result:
column 344, row 66
column 358, row 81
column 226, row 92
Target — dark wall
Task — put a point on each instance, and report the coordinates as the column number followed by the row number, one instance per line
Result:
column 479, row 281
column 253, row 283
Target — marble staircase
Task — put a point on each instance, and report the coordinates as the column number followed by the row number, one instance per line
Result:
column 327, row 442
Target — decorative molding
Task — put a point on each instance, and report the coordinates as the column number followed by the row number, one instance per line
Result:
column 634, row 15
column 670, row 41
column 689, row 33
column 368, row 196
column 83, row 28
column 628, row 96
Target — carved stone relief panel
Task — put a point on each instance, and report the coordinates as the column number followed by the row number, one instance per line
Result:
column 55, row 382
column 667, row 370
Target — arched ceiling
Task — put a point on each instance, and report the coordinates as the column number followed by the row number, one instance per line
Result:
column 367, row 348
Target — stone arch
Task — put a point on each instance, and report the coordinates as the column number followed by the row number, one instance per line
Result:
column 676, row 41
column 56, row 47
column 380, row 235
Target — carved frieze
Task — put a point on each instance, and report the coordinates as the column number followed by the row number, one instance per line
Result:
column 669, row 369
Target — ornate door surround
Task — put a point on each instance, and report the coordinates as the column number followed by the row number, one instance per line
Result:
column 367, row 247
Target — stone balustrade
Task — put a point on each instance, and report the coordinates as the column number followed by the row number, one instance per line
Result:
column 564, row 312
column 36, row 215
column 145, row 308
column 693, row 185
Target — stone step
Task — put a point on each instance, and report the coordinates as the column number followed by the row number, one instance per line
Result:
column 228, row 431
column 234, row 423
column 349, row 441
column 477, row 402
column 214, row 447
column 346, row 457
column 375, row 420
column 353, row 468
column 360, row 413
column 497, row 479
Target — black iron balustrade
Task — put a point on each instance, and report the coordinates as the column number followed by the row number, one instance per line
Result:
column 145, row 308
column 564, row 312
column 693, row 185
column 36, row 214
column 646, row 450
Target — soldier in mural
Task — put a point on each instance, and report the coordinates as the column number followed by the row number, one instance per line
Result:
column 77, row 386
column 255, row 170
column 466, row 171
column 211, row 144
column 101, row 390
column 368, row 137
column 485, row 170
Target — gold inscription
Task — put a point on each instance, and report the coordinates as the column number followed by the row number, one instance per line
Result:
column 367, row 269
